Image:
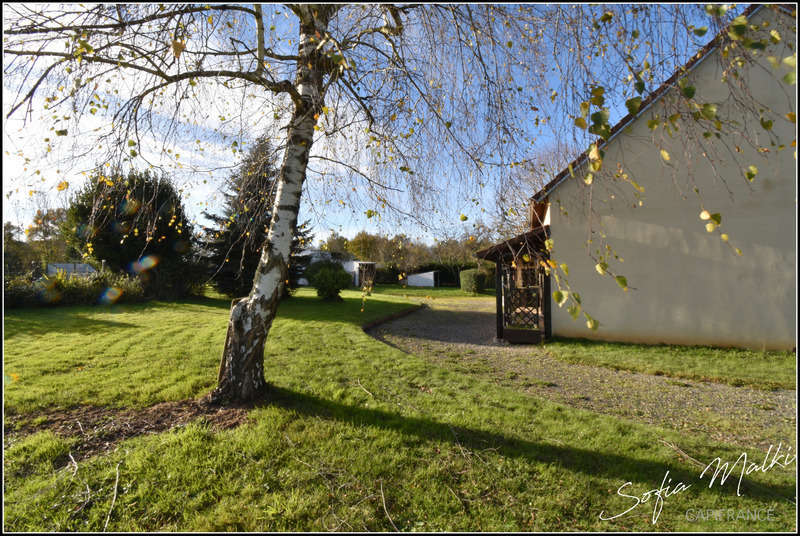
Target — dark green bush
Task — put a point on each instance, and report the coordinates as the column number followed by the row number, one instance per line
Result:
column 60, row 289
column 329, row 278
column 388, row 275
column 170, row 280
column 473, row 280
column 490, row 274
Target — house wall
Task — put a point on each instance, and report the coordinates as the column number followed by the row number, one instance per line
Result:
column 687, row 286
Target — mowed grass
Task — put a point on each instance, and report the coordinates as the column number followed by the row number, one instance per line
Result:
column 734, row 366
column 356, row 436
column 136, row 355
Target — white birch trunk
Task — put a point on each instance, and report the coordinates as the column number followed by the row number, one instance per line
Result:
column 241, row 373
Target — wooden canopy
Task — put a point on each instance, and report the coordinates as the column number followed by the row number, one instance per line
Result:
column 531, row 242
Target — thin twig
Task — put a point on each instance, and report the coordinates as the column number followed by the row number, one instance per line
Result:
column 113, row 500
column 682, row 453
column 305, row 463
column 460, row 501
column 463, row 453
column 383, row 499
column 81, row 427
column 363, row 388
column 88, row 498
column 74, row 463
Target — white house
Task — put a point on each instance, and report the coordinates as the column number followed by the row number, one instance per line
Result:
column 650, row 215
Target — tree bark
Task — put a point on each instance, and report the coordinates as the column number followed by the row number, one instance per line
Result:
column 241, row 373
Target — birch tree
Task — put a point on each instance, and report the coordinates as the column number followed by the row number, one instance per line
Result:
column 391, row 108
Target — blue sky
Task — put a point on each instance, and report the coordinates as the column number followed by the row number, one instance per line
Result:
column 43, row 171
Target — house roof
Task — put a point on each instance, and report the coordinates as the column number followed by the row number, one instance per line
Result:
column 787, row 9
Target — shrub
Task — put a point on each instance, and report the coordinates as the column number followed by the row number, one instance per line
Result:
column 20, row 291
column 171, row 280
column 61, row 289
column 117, row 287
column 329, row 278
column 472, row 280
column 490, row 272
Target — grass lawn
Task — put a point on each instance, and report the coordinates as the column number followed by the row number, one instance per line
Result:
column 356, row 435
column 735, row 366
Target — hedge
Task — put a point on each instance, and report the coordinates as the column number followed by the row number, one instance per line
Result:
column 472, row 280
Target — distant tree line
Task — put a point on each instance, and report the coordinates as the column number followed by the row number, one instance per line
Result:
column 400, row 255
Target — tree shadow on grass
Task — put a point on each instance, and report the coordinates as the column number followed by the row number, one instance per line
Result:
column 80, row 318
column 348, row 310
column 70, row 321
column 314, row 308
column 590, row 462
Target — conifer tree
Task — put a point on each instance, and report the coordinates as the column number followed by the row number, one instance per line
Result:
column 231, row 246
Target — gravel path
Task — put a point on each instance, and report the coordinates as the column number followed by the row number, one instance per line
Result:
column 460, row 333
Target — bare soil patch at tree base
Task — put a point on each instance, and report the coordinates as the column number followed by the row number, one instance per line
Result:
column 460, row 334
column 100, row 429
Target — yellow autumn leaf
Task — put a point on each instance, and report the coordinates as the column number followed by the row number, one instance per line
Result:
column 705, row 215
column 178, row 47
column 664, row 155
column 63, row 185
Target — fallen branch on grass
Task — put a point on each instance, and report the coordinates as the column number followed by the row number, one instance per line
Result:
column 113, row 500
column 685, row 456
column 363, row 388
column 74, row 463
column 383, row 499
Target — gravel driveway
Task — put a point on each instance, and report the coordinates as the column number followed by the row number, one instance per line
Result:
column 460, row 334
